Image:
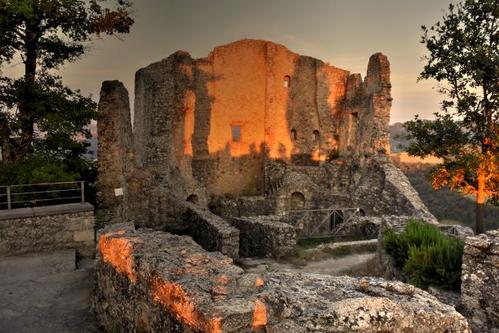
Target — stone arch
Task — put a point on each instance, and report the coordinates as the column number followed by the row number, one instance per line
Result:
column 193, row 198
column 297, row 201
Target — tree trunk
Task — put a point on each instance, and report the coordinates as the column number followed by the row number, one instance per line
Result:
column 26, row 117
column 4, row 140
column 480, row 203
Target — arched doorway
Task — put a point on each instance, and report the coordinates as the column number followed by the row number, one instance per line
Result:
column 297, row 201
column 193, row 198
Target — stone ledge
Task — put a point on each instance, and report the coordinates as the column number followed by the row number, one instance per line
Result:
column 211, row 231
column 264, row 236
column 154, row 281
column 20, row 213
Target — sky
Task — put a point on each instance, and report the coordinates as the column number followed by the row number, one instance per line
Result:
column 342, row 32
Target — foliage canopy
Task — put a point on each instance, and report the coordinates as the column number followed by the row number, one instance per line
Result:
column 43, row 123
column 463, row 56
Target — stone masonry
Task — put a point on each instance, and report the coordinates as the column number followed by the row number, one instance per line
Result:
column 480, row 282
column 264, row 236
column 150, row 281
column 114, row 149
column 252, row 129
column 46, row 229
column 211, row 231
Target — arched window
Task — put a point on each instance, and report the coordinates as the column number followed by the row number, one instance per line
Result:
column 294, row 135
column 192, row 199
column 297, row 200
column 316, row 136
column 287, row 81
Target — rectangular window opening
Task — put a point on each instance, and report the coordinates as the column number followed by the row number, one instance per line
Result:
column 236, row 133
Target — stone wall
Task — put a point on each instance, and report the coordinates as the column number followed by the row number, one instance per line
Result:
column 382, row 189
column 157, row 282
column 480, row 282
column 211, row 231
column 50, row 228
column 114, row 152
column 292, row 113
column 264, row 236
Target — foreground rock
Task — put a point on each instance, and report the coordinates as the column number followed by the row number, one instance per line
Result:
column 157, row 282
column 480, row 281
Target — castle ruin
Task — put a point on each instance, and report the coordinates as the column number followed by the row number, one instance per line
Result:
column 251, row 130
column 235, row 155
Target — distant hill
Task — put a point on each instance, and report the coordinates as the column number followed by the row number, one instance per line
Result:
column 398, row 142
column 447, row 206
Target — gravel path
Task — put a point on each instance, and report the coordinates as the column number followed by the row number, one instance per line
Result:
column 45, row 293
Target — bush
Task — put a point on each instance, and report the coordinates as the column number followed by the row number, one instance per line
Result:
column 429, row 257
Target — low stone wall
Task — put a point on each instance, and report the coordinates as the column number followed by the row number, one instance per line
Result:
column 43, row 229
column 149, row 281
column 480, row 282
column 211, row 231
column 264, row 236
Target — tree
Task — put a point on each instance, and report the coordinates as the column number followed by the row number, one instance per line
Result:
column 464, row 58
column 40, row 118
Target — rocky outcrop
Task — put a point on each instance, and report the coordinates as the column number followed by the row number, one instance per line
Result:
column 153, row 281
column 480, row 282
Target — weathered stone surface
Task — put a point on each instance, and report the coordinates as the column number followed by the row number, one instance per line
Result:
column 211, row 231
column 480, row 282
column 262, row 236
column 153, row 281
column 46, row 229
column 386, row 189
column 114, row 152
column 245, row 131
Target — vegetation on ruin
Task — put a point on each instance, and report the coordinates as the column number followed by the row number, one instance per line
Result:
column 43, row 123
column 426, row 255
column 463, row 57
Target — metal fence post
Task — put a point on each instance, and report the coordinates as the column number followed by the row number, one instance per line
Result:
column 9, row 201
column 82, row 189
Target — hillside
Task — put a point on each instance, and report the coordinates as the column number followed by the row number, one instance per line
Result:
column 448, row 207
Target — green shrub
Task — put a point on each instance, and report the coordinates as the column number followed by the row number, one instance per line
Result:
column 429, row 257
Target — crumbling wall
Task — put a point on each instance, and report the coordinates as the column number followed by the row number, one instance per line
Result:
column 264, row 236
column 152, row 281
column 382, row 189
column 291, row 113
column 211, row 231
column 480, row 282
column 366, row 117
column 115, row 154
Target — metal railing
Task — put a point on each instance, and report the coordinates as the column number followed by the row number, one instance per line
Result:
column 41, row 194
column 330, row 220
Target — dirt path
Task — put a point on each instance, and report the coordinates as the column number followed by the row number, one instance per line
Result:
column 329, row 266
